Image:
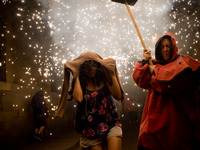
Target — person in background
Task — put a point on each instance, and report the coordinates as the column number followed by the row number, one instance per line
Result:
column 95, row 83
column 40, row 113
column 171, row 117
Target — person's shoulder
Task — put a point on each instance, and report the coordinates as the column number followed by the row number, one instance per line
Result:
column 189, row 58
column 193, row 63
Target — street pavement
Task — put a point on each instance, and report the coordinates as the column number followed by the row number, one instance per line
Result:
column 69, row 140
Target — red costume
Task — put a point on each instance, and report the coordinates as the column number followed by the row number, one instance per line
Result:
column 171, row 118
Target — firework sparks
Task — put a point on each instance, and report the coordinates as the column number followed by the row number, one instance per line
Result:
column 55, row 31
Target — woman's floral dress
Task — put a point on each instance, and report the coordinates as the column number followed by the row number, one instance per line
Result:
column 96, row 114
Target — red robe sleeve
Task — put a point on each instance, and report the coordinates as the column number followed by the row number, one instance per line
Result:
column 141, row 75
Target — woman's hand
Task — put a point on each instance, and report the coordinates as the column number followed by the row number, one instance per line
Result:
column 146, row 54
column 147, row 57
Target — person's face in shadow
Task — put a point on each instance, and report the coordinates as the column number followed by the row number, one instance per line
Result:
column 91, row 71
column 165, row 49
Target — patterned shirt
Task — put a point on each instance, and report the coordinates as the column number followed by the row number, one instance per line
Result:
column 96, row 114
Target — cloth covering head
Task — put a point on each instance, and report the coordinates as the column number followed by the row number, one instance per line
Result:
column 73, row 66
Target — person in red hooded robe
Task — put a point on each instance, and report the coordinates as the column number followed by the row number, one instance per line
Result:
column 171, row 118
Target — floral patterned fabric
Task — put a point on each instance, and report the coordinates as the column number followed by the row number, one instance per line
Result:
column 96, row 114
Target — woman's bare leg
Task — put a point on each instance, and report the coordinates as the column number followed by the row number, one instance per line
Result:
column 41, row 129
column 36, row 131
column 114, row 143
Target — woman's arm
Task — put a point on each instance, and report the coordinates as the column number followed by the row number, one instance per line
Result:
column 77, row 92
column 114, row 88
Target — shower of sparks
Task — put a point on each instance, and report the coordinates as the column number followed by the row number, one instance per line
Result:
column 58, row 31
column 4, row 1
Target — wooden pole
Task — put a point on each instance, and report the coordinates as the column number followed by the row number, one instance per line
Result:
column 138, row 31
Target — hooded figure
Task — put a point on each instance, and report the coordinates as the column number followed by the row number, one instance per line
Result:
column 40, row 113
column 171, row 118
column 38, row 103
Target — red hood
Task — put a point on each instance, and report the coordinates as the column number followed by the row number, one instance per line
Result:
column 174, row 50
